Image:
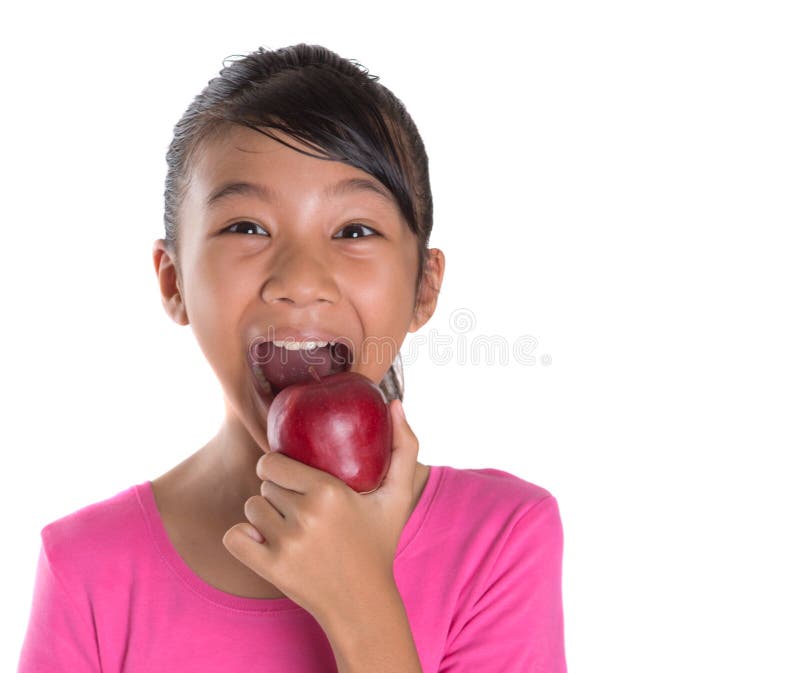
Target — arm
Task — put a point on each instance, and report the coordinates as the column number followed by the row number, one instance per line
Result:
column 59, row 637
column 516, row 624
column 375, row 637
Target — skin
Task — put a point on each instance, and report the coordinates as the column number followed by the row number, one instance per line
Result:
column 290, row 270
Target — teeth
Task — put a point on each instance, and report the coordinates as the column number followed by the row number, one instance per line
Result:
column 262, row 381
column 298, row 345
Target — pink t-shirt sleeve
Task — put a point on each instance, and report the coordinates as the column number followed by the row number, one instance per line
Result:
column 59, row 636
column 516, row 624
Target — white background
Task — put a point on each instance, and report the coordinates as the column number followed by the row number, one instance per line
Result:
column 617, row 180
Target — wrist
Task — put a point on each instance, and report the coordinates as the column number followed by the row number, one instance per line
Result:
column 371, row 635
column 376, row 600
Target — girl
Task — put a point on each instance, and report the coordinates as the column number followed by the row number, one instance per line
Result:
column 298, row 208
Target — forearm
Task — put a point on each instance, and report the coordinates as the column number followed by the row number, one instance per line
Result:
column 375, row 638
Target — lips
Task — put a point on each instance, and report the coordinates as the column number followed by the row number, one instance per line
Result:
column 300, row 335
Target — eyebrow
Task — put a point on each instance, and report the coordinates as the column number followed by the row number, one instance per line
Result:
column 266, row 194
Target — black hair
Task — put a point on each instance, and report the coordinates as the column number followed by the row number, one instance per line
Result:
column 328, row 103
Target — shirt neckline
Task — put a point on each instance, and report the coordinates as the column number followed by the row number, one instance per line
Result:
column 165, row 548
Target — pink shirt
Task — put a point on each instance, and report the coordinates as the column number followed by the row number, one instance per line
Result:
column 478, row 567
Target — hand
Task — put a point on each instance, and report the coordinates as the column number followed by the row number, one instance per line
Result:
column 325, row 546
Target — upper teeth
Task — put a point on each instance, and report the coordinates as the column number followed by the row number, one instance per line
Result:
column 297, row 345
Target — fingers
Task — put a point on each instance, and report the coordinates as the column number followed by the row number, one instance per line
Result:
column 289, row 473
column 246, row 543
column 265, row 520
column 267, row 515
column 282, row 500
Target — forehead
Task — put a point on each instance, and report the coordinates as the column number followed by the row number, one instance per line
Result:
column 240, row 154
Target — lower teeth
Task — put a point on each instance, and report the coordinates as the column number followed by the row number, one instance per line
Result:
column 265, row 385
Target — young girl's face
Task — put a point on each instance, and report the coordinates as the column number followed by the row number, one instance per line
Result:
column 295, row 246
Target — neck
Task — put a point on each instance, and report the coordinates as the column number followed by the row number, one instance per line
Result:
column 224, row 470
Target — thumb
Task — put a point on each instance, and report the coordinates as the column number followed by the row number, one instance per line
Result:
column 405, row 449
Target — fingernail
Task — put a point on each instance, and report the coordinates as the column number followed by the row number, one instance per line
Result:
column 253, row 533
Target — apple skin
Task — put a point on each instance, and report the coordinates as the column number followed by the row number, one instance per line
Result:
column 340, row 424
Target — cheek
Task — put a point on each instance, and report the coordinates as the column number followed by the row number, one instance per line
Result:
column 383, row 289
column 223, row 282
column 383, row 296
column 215, row 307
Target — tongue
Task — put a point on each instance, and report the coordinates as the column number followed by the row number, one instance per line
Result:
column 283, row 367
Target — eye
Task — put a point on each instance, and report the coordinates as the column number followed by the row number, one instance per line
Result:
column 249, row 225
column 353, row 229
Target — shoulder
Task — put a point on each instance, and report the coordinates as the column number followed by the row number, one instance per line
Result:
column 90, row 533
column 494, row 480
column 501, row 539
column 495, row 492
column 478, row 510
column 485, row 523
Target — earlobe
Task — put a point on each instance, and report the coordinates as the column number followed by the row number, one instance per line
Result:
column 429, row 290
column 169, row 283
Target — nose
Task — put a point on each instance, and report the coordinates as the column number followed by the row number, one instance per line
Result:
column 299, row 277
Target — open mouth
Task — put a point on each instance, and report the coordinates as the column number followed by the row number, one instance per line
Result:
column 279, row 364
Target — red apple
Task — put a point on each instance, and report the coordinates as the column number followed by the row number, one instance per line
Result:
column 338, row 423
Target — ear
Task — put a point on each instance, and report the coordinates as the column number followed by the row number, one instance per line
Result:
column 429, row 290
column 169, row 282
